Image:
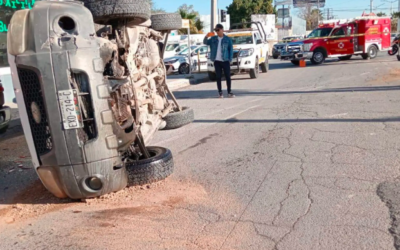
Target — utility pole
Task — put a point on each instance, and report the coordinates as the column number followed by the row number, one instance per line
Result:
column 318, row 11
column 327, row 17
column 371, row 6
column 214, row 14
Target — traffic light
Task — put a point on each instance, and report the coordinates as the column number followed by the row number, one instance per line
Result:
column 223, row 16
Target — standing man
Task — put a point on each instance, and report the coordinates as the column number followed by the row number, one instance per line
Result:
column 221, row 54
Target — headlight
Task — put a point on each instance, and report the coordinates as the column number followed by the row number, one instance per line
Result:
column 307, row 47
column 172, row 61
column 246, row 52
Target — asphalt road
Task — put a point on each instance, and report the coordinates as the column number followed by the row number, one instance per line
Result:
column 303, row 158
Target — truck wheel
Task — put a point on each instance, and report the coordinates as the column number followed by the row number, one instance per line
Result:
column 212, row 76
column 265, row 65
column 345, row 58
column 318, row 57
column 159, row 166
column 184, row 69
column 168, row 21
column 178, row 118
column 372, row 52
column 275, row 56
column 398, row 57
column 104, row 11
column 254, row 72
column 295, row 62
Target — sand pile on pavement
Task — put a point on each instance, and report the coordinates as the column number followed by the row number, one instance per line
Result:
column 35, row 200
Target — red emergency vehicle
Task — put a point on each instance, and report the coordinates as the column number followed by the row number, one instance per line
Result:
column 364, row 36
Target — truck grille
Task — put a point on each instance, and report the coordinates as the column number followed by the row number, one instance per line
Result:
column 80, row 81
column 292, row 49
column 36, row 110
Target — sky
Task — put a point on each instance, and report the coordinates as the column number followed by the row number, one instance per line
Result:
column 341, row 8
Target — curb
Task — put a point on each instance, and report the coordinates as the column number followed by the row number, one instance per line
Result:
column 178, row 83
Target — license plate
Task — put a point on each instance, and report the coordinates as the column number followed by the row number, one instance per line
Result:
column 70, row 109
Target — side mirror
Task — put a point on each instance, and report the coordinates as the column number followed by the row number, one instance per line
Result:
column 259, row 41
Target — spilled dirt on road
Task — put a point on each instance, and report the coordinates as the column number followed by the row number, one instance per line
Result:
column 390, row 77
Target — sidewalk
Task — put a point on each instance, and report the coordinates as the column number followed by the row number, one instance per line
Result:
column 181, row 81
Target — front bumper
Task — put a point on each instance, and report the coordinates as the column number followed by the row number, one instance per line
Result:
column 172, row 67
column 6, row 112
column 244, row 64
column 301, row 55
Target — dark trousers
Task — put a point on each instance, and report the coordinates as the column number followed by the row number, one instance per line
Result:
column 219, row 66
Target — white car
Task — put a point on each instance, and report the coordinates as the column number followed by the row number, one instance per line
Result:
column 180, row 62
column 250, row 52
column 174, row 48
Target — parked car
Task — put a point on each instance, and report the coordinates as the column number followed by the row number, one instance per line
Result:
column 180, row 62
column 276, row 50
column 5, row 113
column 92, row 106
column 174, row 48
column 250, row 51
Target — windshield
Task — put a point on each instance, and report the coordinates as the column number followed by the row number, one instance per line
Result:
column 240, row 39
column 171, row 47
column 321, row 32
column 186, row 51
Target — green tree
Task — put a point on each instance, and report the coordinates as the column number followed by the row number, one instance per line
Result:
column 154, row 8
column 381, row 14
column 241, row 10
column 188, row 12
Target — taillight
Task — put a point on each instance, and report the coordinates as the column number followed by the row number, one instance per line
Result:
column 1, row 89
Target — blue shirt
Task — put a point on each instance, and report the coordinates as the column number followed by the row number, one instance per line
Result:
column 226, row 46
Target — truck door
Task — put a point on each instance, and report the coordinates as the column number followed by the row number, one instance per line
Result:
column 341, row 41
column 260, row 47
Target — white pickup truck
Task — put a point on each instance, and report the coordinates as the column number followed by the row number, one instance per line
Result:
column 250, row 51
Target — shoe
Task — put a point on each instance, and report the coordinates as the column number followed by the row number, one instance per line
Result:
column 231, row 95
column 221, row 95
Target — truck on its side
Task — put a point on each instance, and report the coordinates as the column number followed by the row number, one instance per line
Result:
column 250, row 51
column 363, row 36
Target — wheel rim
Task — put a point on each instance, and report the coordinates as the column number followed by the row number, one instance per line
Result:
column 318, row 56
column 185, row 69
column 372, row 52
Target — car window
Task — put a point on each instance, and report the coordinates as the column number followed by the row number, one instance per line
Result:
column 338, row 32
column 171, row 47
column 321, row 32
column 240, row 39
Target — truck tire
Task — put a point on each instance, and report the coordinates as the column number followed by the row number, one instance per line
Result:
column 168, row 21
column 345, row 58
column 275, row 56
column 254, row 72
column 295, row 62
column 318, row 57
column 371, row 54
column 212, row 76
column 104, row 11
column 156, row 168
column 265, row 65
column 179, row 119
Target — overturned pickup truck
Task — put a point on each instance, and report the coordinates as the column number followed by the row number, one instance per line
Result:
column 91, row 89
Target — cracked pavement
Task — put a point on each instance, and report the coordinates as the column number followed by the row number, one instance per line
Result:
column 303, row 158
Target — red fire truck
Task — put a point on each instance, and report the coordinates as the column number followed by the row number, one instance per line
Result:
column 364, row 36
